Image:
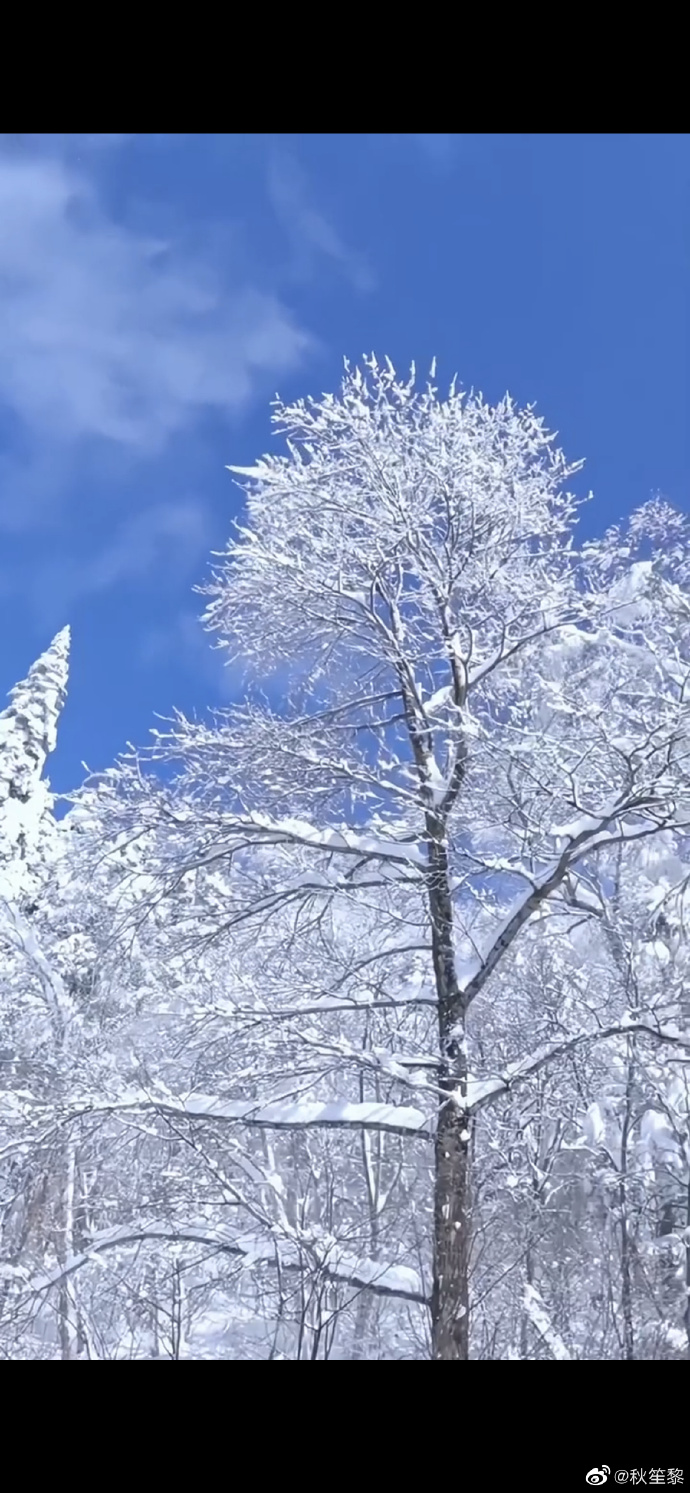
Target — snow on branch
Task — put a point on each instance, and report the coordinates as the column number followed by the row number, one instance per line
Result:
column 397, row 1119
column 585, row 837
column 541, row 1321
column 330, row 1260
column 481, row 1092
column 348, row 842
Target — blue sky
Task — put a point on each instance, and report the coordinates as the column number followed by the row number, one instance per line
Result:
column 155, row 292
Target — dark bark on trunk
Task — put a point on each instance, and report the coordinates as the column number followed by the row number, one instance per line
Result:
column 450, row 1303
column 450, row 1313
column 686, row 1314
column 626, row 1253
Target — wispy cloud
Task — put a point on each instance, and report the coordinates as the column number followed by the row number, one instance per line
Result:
column 116, row 341
column 187, row 643
column 165, row 534
column 196, row 651
column 310, row 232
column 109, row 334
column 438, row 150
column 161, row 545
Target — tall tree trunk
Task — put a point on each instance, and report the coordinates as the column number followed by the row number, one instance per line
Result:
column 686, row 1314
column 450, row 1303
column 371, row 1146
column 626, row 1250
column 69, row 1324
column 450, row 1298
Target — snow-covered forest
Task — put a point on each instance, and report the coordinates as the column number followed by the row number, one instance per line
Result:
column 352, row 1021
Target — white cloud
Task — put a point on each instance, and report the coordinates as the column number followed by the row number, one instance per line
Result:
column 439, row 149
column 74, row 144
column 309, row 231
column 438, row 153
column 196, row 650
column 159, row 545
column 113, row 342
column 108, row 334
column 165, row 534
column 186, row 641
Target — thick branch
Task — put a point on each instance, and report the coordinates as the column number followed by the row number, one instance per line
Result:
column 396, row 1119
column 398, row 1281
column 482, row 1092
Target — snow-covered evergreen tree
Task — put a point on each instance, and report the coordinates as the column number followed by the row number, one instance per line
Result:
column 28, row 731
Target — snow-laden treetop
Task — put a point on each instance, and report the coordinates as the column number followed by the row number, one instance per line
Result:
column 28, row 733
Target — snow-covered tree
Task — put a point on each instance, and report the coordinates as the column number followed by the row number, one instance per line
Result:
column 28, row 729
column 474, row 718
